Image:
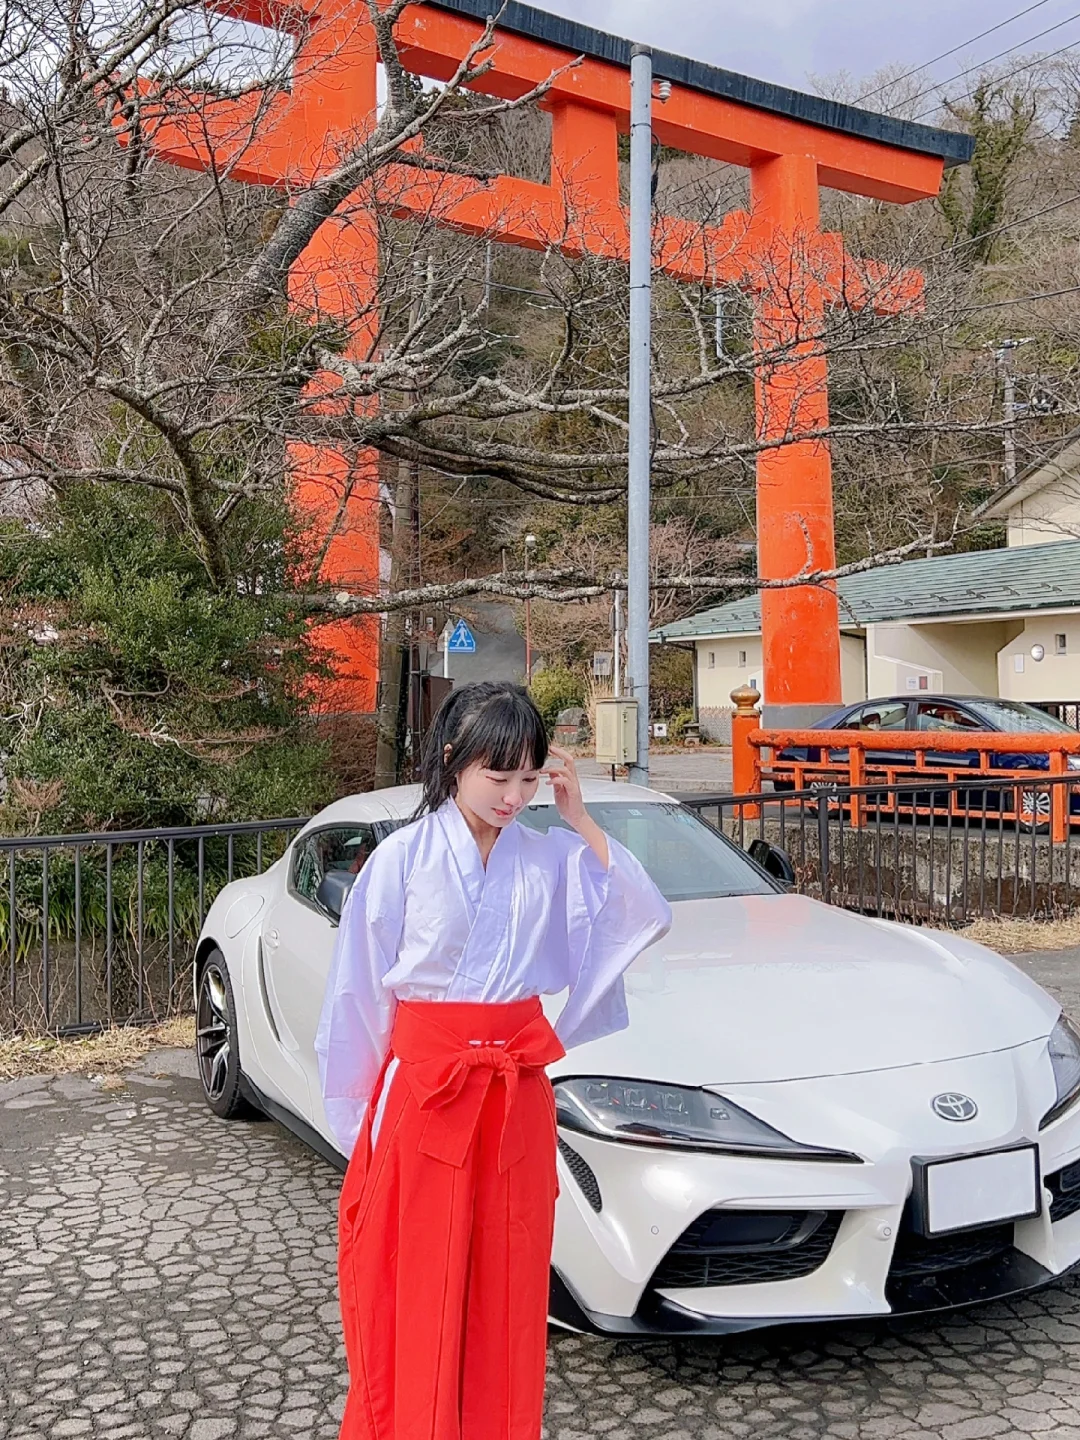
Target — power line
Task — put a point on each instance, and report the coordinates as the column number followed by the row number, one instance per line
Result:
column 982, row 64
column 1022, row 299
column 869, row 95
column 1017, row 70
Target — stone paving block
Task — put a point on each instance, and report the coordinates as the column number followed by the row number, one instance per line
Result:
column 163, row 1273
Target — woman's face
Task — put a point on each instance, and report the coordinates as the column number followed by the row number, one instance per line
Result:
column 497, row 796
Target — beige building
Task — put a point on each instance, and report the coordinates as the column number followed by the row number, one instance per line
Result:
column 1043, row 503
column 991, row 622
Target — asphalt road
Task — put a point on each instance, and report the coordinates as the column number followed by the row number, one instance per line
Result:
column 166, row 1274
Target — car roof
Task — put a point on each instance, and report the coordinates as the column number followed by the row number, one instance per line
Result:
column 931, row 697
column 400, row 801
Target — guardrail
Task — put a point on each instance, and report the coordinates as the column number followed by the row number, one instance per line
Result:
column 882, row 850
column 941, row 755
column 101, row 927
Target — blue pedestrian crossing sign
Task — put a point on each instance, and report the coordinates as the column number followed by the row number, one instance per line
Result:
column 462, row 641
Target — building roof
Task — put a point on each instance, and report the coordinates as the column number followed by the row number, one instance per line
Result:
column 954, row 147
column 1063, row 460
column 980, row 582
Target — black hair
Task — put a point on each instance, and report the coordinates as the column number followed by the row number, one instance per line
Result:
column 491, row 722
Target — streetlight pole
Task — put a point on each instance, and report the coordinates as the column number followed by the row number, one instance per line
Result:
column 530, row 544
column 640, row 436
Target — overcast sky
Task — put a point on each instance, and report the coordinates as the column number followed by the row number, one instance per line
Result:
column 790, row 40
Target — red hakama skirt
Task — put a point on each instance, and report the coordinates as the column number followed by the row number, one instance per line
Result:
column 445, row 1229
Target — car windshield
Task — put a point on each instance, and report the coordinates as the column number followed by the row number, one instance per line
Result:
column 1015, row 716
column 686, row 858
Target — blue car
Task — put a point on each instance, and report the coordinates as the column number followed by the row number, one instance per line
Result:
column 947, row 714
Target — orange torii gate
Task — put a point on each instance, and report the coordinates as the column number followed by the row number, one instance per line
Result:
column 791, row 143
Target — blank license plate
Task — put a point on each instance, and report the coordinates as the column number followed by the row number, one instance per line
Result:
column 977, row 1190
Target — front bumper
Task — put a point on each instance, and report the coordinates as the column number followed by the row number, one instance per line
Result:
column 613, row 1271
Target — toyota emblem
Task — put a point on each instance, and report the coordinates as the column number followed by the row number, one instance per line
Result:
column 953, row 1106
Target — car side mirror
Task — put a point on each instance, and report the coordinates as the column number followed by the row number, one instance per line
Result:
column 773, row 860
column 333, row 891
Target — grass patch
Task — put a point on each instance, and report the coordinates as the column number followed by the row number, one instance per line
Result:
column 105, row 1055
column 1014, row 937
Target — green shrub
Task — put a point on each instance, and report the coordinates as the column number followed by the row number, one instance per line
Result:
column 556, row 690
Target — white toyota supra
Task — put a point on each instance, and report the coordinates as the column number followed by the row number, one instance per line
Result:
column 812, row 1115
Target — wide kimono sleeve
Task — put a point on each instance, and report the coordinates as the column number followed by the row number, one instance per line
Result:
column 358, row 1012
column 608, row 918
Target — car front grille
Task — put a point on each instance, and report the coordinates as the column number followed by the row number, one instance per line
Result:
column 748, row 1247
column 1064, row 1185
column 583, row 1173
column 923, row 1255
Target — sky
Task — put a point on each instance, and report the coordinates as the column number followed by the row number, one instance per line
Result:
column 790, row 41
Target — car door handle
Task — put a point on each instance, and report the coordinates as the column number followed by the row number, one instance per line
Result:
column 272, row 937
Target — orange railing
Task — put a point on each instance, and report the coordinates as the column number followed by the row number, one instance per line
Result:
column 844, row 763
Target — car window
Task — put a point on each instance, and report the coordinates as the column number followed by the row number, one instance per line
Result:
column 1015, row 716
column 687, row 859
column 890, row 715
column 340, row 847
column 942, row 716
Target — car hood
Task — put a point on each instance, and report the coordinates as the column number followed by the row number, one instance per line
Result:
column 779, row 987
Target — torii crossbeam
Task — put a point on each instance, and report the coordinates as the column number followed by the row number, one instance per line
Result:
column 791, row 143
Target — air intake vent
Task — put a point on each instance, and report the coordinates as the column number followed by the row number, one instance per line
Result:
column 583, row 1173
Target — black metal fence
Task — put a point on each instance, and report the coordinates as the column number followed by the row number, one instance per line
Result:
column 908, row 852
column 99, row 928
column 102, row 927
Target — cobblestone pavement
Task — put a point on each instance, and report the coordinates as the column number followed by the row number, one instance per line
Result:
column 164, row 1274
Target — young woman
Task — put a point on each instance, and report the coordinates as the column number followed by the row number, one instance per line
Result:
column 432, row 1048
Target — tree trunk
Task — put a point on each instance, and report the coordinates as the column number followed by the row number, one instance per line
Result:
column 393, row 656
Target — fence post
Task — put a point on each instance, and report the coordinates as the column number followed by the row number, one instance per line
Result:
column 745, row 762
column 856, row 776
column 824, row 858
column 1059, row 800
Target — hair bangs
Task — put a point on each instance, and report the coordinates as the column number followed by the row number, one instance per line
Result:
column 508, row 734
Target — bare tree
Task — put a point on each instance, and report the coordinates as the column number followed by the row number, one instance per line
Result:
column 146, row 339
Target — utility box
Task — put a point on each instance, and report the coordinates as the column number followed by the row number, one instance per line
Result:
column 616, row 732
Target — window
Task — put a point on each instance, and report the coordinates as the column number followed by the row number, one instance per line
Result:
column 1061, row 645
column 939, row 716
column 1015, row 715
column 742, row 657
column 687, row 859
column 712, row 659
column 337, row 848
column 876, row 716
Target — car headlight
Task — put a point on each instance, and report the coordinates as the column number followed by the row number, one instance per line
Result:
column 643, row 1113
column 1065, row 1058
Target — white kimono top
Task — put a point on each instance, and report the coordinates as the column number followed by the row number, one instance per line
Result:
column 425, row 921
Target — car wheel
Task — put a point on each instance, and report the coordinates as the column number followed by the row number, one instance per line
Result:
column 1033, row 808
column 215, row 1040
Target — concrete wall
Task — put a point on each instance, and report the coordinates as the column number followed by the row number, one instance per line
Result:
column 1056, row 676
column 733, row 660
column 953, row 659
column 1053, row 513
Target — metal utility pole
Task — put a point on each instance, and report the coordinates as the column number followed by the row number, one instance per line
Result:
column 640, row 438
column 617, row 639
column 1003, row 358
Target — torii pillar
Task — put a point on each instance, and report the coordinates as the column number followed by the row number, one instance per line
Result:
column 791, row 144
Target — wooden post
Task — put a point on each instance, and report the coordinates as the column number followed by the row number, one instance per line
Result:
column 745, row 758
column 1059, row 799
column 856, row 776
